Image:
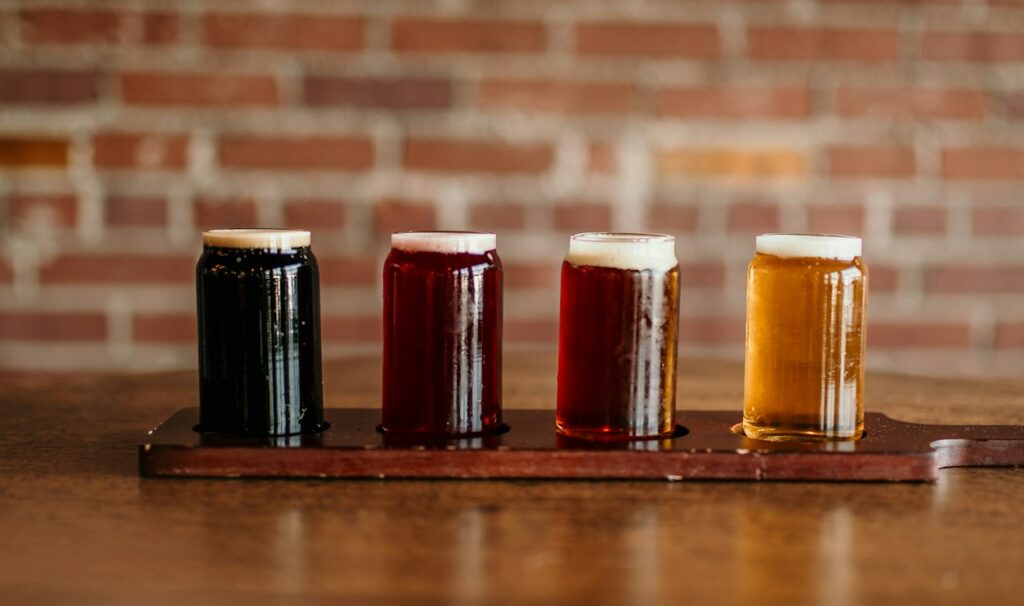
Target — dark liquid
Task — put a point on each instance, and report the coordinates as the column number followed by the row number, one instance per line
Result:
column 442, row 343
column 617, row 352
column 259, row 342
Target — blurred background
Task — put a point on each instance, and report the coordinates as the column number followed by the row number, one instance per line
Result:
column 127, row 127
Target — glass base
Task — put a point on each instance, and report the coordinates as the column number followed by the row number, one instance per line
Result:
column 797, row 433
column 609, row 434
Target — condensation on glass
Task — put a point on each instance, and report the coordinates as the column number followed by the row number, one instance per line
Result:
column 806, row 304
column 617, row 336
column 258, row 308
column 442, row 334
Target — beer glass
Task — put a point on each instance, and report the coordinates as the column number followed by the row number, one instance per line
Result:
column 258, row 307
column 617, row 336
column 442, row 334
column 804, row 372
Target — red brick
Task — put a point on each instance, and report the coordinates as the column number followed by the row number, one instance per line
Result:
column 882, row 278
column 461, row 155
column 711, row 331
column 210, row 213
column 918, row 335
column 557, row 96
column 702, row 275
column 497, row 215
column 846, row 219
column 164, row 328
column 53, row 209
column 391, row 215
column 752, row 218
column 69, row 26
column 970, row 280
column 919, row 220
column 734, row 103
column 202, row 90
column 648, row 39
column 530, row 276
column 731, row 163
column 899, row 2
column 582, row 216
column 419, row 35
column 871, row 161
column 140, row 151
column 52, row 326
column 983, row 163
column 601, row 158
column 673, row 219
column 135, row 211
column 349, row 270
column 33, row 152
column 908, row 102
column 6, row 272
column 344, row 329
column 122, row 268
column 283, row 31
column 1015, row 105
column 822, row 44
column 533, row 331
column 296, row 153
column 47, row 86
column 389, row 93
column 1009, row 335
column 314, row 213
column 996, row 221
column 975, row 46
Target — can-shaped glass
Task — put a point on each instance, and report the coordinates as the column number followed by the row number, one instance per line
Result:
column 806, row 306
column 258, row 308
column 617, row 338
column 442, row 334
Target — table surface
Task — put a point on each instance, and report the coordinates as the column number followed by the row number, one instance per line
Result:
column 77, row 524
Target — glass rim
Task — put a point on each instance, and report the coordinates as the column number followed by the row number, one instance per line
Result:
column 269, row 238
column 450, row 242
column 611, row 237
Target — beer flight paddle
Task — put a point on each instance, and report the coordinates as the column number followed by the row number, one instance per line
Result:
column 261, row 414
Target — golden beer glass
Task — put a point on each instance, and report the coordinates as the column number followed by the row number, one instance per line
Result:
column 804, row 370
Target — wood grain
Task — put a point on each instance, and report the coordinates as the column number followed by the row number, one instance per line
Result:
column 77, row 524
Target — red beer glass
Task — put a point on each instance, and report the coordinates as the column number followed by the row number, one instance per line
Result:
column 617, row 336
column 442, row 334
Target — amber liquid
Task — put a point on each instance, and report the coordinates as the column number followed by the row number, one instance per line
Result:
column 617, row 352
column 805, row 348
column 442, row 343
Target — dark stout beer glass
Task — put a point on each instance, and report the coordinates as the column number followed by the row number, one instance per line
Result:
column 617, row 336
column 806, row 301
column 442, row 334
column 258, row 304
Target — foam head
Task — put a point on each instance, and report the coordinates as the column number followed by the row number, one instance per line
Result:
column 275, row 239
column 816, row 246
column 623, row 251
column 449, row 242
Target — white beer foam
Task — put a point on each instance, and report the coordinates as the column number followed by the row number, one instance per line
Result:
column 623, row 251
column 473, row 242
column 817, row 246
column 257, row 238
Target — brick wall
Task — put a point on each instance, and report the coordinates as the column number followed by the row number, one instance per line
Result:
column 125, row 128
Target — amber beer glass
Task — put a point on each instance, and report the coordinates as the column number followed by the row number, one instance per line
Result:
column 617, row 336
column 442, row 334
column 806, row 299
column 258, row 303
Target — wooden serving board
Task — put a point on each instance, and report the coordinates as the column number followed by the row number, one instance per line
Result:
column 706, row 447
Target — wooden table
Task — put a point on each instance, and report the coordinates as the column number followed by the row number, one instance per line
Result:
column 77, row 524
